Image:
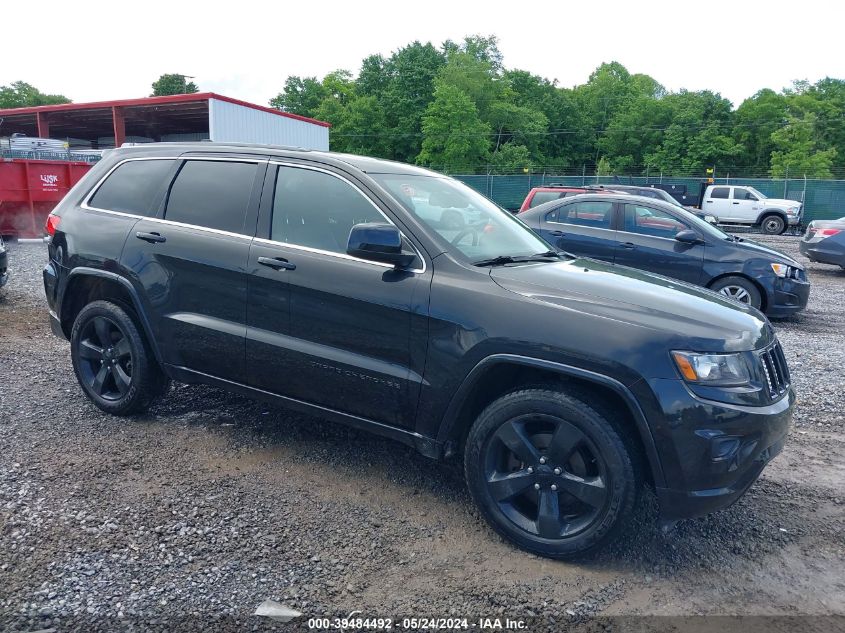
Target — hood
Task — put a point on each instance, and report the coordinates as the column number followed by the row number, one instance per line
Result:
column 761, row 250
column 780, row 202
column 680, row 314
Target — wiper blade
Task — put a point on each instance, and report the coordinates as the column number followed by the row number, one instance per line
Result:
column 501, row 260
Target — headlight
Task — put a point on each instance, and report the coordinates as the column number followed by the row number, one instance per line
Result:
column 715, row 370
column 782, row 270
column 792, row 210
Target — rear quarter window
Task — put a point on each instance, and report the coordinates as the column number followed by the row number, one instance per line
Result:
column 132, row 187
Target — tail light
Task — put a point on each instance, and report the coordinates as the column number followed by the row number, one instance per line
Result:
column 827, row 232
column 52, row 224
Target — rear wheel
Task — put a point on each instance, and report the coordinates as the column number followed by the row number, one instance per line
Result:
column 550, row 473
column 739, row 289
column 773, row 225
column 113, row 365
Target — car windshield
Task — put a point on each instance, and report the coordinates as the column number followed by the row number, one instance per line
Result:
column 761, row 196
column 705, row 227
column 472, row 225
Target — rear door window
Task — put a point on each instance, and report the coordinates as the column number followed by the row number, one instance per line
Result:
column 132, row 187
column 720, row 192
column 212, row 193
column 597, row 214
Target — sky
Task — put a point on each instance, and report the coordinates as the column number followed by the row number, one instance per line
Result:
column 93, row 50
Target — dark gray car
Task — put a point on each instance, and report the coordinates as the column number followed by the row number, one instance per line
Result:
column 824, row 242
column 661, row 238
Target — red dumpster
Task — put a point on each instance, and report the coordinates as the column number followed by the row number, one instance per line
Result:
column 29, row 189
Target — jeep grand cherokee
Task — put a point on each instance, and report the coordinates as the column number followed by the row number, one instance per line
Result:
column 325, row 282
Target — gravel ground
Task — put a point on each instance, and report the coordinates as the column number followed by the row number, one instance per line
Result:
column 189, row 517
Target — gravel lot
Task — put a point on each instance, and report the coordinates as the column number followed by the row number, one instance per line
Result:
column 189, row 517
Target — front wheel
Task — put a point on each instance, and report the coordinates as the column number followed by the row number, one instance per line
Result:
column 773, row 225
column 112, row 364
column 550, row 474
column 739, row 289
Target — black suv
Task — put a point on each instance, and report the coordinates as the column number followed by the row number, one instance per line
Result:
column 332, row 283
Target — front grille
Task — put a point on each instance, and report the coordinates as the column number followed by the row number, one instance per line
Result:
column 775, row 371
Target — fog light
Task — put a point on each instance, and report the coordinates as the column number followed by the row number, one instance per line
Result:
column 722, row 448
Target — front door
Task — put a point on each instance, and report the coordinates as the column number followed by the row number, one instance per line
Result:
column 745, row 205
column 346, row 340
column 647, row 241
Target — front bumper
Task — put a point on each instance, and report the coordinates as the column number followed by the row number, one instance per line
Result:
column 825, row 251
column 711, row 452
column 786, row 297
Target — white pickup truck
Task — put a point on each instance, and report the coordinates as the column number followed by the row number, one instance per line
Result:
column 735, row 204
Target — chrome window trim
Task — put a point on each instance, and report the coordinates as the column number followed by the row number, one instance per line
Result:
column 320, row 251
column 85, row 202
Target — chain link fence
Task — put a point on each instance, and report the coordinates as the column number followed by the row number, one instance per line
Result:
column 823, row 199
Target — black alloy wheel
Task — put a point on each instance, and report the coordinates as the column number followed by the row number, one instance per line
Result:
column 105, row 358
column 551, row 472
column 112, row 362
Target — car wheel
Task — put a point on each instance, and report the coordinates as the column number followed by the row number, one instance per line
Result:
column 773, row 225
column 112, row 363
column 550, row 474
column 739, row 289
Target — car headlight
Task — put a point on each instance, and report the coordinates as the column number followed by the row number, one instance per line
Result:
column 782, row 270
column 715, row 370
column 792, row 210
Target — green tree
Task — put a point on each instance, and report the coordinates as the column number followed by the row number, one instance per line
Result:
column 20, row 94
column 301, row 95
column 358, row 127
column 454, row 136
column 754, row 121
column 173, row 84
column 797, row 153
column 510, row 158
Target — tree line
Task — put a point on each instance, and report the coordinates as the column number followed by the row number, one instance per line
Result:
column 456, row 108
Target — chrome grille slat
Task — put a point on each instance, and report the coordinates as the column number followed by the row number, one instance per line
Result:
column 775, row 370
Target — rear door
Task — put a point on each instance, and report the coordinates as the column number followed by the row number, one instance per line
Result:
column 647, row 241
column 582, row 227
column 190, row 263
column 717, row 202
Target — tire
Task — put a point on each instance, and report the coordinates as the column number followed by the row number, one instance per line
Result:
column 740, row 289
column 112, row 362
column 516, row 445
column 772, row 224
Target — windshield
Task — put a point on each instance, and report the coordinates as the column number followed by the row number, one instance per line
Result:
column 470, row 223
column 705, row 227
column 761, row 196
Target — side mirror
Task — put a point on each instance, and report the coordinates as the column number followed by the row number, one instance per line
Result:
column 378, row 242
column 687, row 236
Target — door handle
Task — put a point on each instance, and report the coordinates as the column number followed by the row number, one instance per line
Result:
column 736, row 202
column 557, row 233
column 279, row 263
column 709, row 201
column 628, row 245
column 150, row 237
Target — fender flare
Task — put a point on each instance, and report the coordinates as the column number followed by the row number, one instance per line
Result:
column 447, row 427
column 779, row 212
column 85, row 271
